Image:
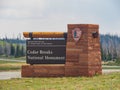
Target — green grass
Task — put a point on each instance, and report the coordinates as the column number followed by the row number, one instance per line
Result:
column 111, row 63
column 12, row 57
column 6, row 62
column 10, row 62
column 10, row 65
column 1, row 42
column 9, row 68
column 110, row 67
column 102, row 82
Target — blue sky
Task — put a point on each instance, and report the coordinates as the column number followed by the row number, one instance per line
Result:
column 17, row 16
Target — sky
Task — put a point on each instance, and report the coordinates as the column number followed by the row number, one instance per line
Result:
column 18, row 16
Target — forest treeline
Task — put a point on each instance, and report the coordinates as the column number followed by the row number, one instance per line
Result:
column 12, row 47
column 110, row 47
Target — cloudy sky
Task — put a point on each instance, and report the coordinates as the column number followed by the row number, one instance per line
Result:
column 17, row 16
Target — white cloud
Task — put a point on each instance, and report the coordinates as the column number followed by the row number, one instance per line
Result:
column 54, row 15
column 23, row 3
column 14, row 13
column 21, row 8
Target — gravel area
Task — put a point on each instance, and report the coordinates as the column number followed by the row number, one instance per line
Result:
column 107, row 71
column 10, row 74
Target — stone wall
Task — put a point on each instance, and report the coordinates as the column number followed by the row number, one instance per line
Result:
column 83, row 58
column 43, row 70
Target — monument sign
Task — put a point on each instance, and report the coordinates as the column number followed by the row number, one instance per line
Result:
column 56, row 54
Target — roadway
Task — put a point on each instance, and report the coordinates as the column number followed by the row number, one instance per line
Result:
column 17, row 74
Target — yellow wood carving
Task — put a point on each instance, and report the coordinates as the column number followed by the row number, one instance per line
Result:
column 43, row 34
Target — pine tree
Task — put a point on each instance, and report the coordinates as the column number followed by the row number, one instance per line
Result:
column 22, row 51
column 1, row 50
column 5, row 49
column 109, row 56
column 12, row 51
column 17, row 54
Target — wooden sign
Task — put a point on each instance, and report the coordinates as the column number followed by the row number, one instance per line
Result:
column 46, row 51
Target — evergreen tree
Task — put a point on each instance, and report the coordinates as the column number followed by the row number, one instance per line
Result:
column 17, row 54
column 109, row 56
column 103, row 55
column 114, row 54
column 12, row 51
column 22, row 51
column 1, row 50
column 5, row 49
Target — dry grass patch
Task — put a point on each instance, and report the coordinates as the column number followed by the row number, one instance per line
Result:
column 102, row 82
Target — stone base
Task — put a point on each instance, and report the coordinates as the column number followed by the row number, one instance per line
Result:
column 42, row 70
column 56, row 71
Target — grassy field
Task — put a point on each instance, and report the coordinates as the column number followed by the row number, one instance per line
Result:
column 10, row 65
column 102, row 82
column 12, row 57
column 110, row 67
